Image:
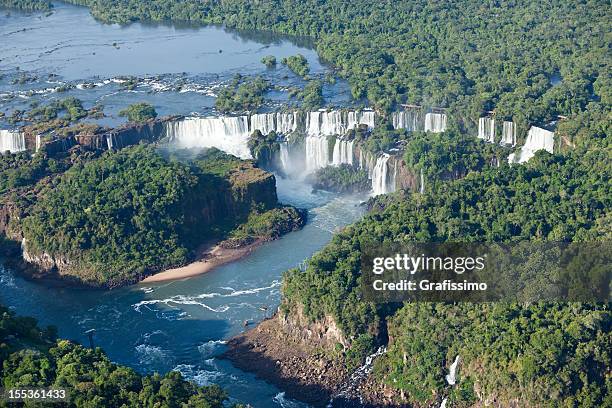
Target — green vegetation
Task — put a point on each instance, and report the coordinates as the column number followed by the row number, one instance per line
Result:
column 28, row 5
column 264, row 148
column 312, row 95
column 132, row 213
column 298, row 64
column 557, row 198
column 22, row 170
column 269, row 61
column 342, row 179
column 34, row 357
column 139, row 112
column 267, row 225
column 242, row 95
column 544, row 355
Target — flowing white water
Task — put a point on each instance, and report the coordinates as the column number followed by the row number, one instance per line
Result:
column 348, row 391
column 451, row 378
column 226, row 133
column 486, row 129
column 380, row 183
column 537, row 139
column 410, row 119
column 12, row 141
column 335, row 122
column 264, row 122
column 508, row 134
column 343, row 152
column 286, row 122
column 435, row 122
column 38, row 142
column 317, row 152
column 422, row 189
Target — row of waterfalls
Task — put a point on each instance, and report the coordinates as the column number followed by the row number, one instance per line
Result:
column 537, row 139
column 416, row 120
column 322, row 143
column 12, row 141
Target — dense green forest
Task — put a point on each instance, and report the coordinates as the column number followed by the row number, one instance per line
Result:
column 35, row 357
column 131, row 213
column 28, row 5
column 557, row 198
column 242, row 94
column 342, row 179
column 298, row 64
column 139, row 112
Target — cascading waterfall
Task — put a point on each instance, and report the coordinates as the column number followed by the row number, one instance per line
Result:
column 12, row 141
column 38, row 142
column 379, row 175
column 508, row 134
column 348, row 391
column 410, row 119
column 230, row 134
column 537, row 139
column 286, row 122
column 422, row 188
column 451, row 377
column 317, row 152
column 486, row 129
column 284, row 157
column 264, row 122
column 343, row 152
column 335, row 122
column 109, row 141
column 435, row 122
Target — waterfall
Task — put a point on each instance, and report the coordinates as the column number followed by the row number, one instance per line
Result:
column 286, row 122
column 284, row 157
column 343, row 152
column 12, row 141
column 422, row 189
column 317, row 152
column 451, row 378
column 348, row 391
column 537, row 139
column 409, row 119
column 230, row 134
column 264, row 122
column 335, row 122
column 508, row 134
column 443, row 404
column 435, row 122
column 38, row 142
column 109, row 141
column 486, row 129
column 379, row 175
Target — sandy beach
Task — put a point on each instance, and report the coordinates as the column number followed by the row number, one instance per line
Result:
column 211, row 259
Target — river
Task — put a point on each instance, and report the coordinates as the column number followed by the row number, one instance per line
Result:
column 180, row 325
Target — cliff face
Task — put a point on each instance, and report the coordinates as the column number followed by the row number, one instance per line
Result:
column 94, row 138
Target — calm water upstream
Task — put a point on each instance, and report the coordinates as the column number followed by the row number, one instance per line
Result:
column 179, row 325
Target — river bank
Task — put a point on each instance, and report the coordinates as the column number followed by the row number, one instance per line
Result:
column 210, row 259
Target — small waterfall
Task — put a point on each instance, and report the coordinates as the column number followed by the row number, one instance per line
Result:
column 12, row 141
column 451, row 378
column 109, row 141
column 435, row 122
column 422, row 188
column 379, row 175
column 284, row 157
column 286, row 122
column 230, row 134
column 486, row 129
column 264, row 122
column 348, row 391
column 508, row 134
column 443, row 404
column 410, row 119
column 343, row 152
column 317, row 152
column 335, row 122
column 537, row 139
column 38, row 142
